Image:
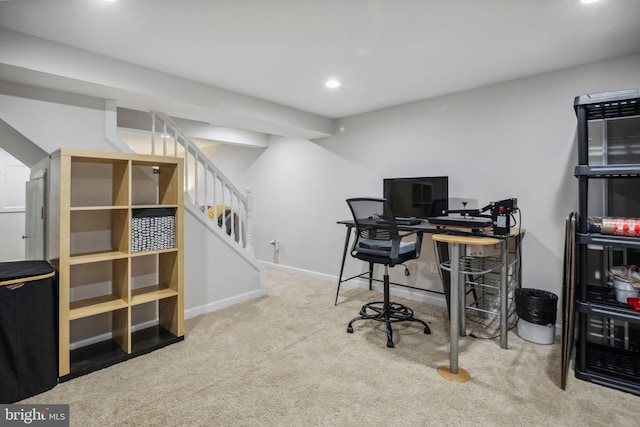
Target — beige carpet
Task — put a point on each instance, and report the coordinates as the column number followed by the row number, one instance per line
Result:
column 287, row 360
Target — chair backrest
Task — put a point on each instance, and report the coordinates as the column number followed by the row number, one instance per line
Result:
column 377, row 238
column 368, row 212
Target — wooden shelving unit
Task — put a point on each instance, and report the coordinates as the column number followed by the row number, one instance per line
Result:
column 113, row 304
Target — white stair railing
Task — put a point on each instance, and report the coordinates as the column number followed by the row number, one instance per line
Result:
column 206, row 187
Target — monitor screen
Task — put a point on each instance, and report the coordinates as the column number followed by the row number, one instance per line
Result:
column 421, row 197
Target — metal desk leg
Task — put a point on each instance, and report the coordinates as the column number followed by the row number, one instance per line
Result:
column 442, row 255
column 455, row 307
column 462, row 293
column 504, row 300
column 453, row 372
column 344, row 257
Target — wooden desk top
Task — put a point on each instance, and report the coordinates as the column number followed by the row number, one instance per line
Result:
column 465, row 239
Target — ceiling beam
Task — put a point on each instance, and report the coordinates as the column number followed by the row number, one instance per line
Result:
column 38, row 62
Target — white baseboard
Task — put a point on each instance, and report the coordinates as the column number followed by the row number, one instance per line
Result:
column 412, row 294
column 217, row 305
column 108, row 335
column 308, row 273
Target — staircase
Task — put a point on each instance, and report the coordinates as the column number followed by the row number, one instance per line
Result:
column 220, row 267
column 208, row 192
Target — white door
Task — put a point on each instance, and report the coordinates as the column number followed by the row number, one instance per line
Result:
column 34, row 219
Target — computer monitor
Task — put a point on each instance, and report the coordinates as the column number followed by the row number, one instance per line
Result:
column 420, row 197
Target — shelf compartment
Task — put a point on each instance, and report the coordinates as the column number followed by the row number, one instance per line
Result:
column 99, row 182
column 99, row 231
column 93, row 357
column 154, row 276
column 98, row 287
column 606, row 296
column 613, row 142
column 100, row 340
column 616, row 362
column 620, row 194
column 154, row 182
column 154, row 280
column 613, row 332
column 153, row 323
column 152, row 338
column 153, row 229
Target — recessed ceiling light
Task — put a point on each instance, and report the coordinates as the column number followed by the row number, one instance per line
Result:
column 589, row 1
column 332, row 83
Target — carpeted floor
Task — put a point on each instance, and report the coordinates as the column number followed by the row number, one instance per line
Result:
column 287, row 360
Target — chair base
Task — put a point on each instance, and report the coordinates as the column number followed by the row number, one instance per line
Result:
column 388, row 313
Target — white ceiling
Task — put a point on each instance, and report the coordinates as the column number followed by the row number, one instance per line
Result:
column 386, row 52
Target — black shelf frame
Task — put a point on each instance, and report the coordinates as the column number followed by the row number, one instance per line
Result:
column 610, row 308
column 598, row 363
column 607, row 240
column 610, row 367
column 607, row 171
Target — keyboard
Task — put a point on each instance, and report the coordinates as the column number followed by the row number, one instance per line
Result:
column 402, row 221
column 408, row 221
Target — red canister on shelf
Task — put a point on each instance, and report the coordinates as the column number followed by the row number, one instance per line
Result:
column 629, row 227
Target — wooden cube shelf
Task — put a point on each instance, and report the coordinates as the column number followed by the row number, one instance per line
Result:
column 103, row 285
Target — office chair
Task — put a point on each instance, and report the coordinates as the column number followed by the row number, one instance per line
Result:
column 378, row 241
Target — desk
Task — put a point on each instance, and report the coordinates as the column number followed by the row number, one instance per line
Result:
column 443, row 237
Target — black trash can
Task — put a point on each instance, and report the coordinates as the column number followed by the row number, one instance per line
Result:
column 537, row 311
column 28, row 329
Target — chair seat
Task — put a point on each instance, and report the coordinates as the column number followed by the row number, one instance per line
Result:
column 384, row 245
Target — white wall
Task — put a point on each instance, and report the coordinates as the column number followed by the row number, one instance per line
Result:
column 515, row 139
column 214, row 276
column 12, row 230
column 54, row 119
column 13, row 176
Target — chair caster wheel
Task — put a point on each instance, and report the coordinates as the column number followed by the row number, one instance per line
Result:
column 350, row 329
column 427, row 331
column 390, row 344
